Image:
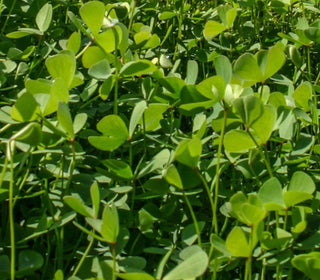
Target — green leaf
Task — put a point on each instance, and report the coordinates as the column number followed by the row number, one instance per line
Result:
column 192, row 72
column 74, row 42
column 135, row 276
column 65, row 119
column 252, row 214
column 227, row 14
column 219, row 245
column 270, row 61
column 313, row 33
column 300, row 188
column 123, row 36
column 271, row 195
column 114, row 133
column 158, row 161
column 119, row 168
column 292, row 198
column 301, row 181
column 100, row 70
column 107, row 40
column 78, row 205
column 95, row 223
column 30, row 134
column 189, row 151
column 166, row 15
column 281, row 241
column 62, row 66
column 58, row 92
column 309, row 264
column 95, row 198
column 92, row 56
column 173, row 84
column 189, row 234
column 110, row 224
column 153, row 115
column 287, row 126
column 223, row 68
column 28, row 262
column 194, row 264
column 38, row 86
column 172, row 176
column 247, row 68
column 264, row 125
column 58, row 275
column 141, row 37
column 212, row 88
column 79, row 121
column 44, row 17
column 237, row 243
column 136, row 115
column 25, row 109
column 22, row 32
column 302, row 95
column 295, row 56
column 106, row 87
column 238, row 141
column 249, row 108
column 152, row 43
column 236, row 202
column 212, row 29
column 146, row 221
column 92, row 14
column 137, row 68
column 77, row 22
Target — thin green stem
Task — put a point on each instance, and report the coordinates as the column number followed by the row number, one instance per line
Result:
column 180, row 21
column 84, row 256
column 11, row 217
column 132, row 15
column 248, row 267
column 5, row 127
column 72, row 166
column 248, row 273
column 212, row 204
column 116, row 92
column 217, row 179
column 8, row 16
column 196, row 225
column 1, row 6
column 84, row 49
column 285, row 220
column 309, row 62
column 263, row 269
column 263, row 156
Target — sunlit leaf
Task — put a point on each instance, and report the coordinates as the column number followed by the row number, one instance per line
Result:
column 44, row 17
column 212, row 29
column 114, row 133
column 92, row 14
column 189, row 151
column 237, row 243
column 137, row 68
column 25, row 109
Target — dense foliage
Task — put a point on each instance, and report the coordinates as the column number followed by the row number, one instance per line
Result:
column 165, row 140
